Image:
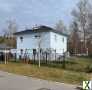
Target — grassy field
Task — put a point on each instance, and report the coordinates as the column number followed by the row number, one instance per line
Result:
column 73, row 74
column 74, row 64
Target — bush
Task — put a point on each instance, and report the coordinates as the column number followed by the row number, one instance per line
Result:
column 89, row 69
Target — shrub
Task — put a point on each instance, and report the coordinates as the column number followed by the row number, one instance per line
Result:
column 89, row 69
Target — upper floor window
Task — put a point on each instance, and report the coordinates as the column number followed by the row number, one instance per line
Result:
column 55, row 37
column 63, row 39
column 21, row 38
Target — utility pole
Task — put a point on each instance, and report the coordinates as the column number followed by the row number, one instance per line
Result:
column 5, row 57
column 39, row 53
column 39, row 46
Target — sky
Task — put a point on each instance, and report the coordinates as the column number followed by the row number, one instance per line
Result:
column 27, row 13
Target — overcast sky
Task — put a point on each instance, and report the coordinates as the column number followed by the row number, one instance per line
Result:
column 30, row 12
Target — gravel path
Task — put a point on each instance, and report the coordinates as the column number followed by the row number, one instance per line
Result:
column 10, row 81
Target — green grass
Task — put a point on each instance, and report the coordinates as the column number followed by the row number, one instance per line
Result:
column 79, row 64
column 48, row 73
column 74, row 64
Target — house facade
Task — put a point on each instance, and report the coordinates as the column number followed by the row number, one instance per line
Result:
column 48, row 39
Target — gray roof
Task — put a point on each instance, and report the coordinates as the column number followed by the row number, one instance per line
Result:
column 39, row 29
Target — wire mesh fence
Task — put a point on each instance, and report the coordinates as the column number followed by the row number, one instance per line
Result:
column 31, row 56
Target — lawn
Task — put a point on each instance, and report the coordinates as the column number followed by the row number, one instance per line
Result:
column 73, row 74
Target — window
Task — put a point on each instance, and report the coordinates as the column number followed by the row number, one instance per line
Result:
column 21, row 51
column 34, row 51
column 63, row 39
column 21, row 38
column 55, row 38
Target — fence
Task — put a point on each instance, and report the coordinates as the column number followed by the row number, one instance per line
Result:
column 29, row 56
column 32, row 55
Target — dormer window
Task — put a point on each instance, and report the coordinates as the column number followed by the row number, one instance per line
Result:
column 21, row 38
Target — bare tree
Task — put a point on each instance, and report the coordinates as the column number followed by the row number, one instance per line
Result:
column 10, row 29
column 80, row 15
column 73, row 44
column 60, row 26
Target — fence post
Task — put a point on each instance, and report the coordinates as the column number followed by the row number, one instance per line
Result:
column 64, row 64
column 55, row 54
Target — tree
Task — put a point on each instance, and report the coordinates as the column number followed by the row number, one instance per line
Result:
column 60, row 26
column 10, row 29
column 80, row 15
column 74, row 39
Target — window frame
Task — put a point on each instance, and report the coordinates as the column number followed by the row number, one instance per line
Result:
column 21, row 38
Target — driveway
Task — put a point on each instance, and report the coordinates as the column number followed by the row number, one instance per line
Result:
column 10, row 81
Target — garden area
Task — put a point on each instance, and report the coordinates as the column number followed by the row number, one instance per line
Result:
column 76, row 70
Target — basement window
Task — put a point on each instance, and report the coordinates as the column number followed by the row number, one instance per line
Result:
column 21, row 51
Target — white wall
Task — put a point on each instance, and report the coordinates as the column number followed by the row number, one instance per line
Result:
column 29, row 41
column 48, row 41
column 58, row 43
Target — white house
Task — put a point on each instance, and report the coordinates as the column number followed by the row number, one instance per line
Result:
column 43, row 37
